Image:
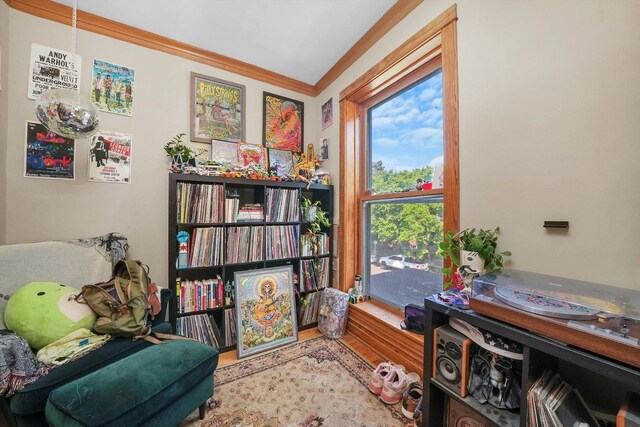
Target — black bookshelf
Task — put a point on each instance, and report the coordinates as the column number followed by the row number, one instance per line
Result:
column 249, row 191
column 603, row 382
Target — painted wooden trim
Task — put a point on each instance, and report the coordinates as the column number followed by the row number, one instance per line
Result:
column 393, row 16
column 407, row 195
column 418, row 40
column 57, row 12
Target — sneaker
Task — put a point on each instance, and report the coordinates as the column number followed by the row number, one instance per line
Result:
column 411, row 399
column 417, row 415
column 379, row 374
column 488, row 340
column 395, row 384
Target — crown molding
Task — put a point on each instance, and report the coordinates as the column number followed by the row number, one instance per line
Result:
column 60, row 13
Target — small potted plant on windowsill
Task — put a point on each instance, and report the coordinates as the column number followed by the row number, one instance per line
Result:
column 475, row 248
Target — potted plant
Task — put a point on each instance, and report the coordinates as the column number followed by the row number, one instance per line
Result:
column 317, row 218
column 475, row 248
column 179, row 152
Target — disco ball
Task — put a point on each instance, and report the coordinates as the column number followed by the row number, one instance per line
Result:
column 67, row 113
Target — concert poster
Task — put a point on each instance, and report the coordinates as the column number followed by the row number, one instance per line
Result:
column 47, row 154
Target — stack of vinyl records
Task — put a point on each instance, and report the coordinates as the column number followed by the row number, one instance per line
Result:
column 554, row 403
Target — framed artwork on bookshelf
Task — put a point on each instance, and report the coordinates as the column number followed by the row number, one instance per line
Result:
column 283, row 123
column 217, row 110
column 251, row 154
column 265, row 309
column 224, row 152
column 281, row 162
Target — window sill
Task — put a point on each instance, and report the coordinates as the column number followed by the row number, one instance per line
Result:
column 388, row 315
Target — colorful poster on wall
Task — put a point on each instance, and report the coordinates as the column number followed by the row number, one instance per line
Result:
column 112, row 87
column 51, row 68
column 224, row 152
column 217, row 110
column 250, row 154
column 283, row 123
column 48, row 155
column 110, row 157
column 327, row 114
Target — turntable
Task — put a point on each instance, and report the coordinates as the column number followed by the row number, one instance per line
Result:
column 602, row 319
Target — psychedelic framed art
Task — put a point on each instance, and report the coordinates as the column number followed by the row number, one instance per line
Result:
column 265, row 309
column 283, row 123
column 217, row 110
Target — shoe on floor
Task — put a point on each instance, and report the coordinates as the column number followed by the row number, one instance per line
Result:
column 395, row 384
column 380, row 373
column 417, row 415
column 410, row 400
column 488, row 340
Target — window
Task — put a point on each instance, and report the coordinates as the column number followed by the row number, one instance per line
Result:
column 399, row 175
column 405, row 146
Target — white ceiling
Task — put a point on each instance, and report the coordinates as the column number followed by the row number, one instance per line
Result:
column 301, row 39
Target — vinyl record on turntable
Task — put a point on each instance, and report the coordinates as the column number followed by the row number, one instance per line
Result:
column 544, row 306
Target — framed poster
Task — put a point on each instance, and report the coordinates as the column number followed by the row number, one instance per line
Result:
column 51, row 68
column 281, row 162
column 249, row 154
column 47, row 154
column 110, row 157
column 224, row 152
column 112, row 87
column 327, row 114
column 217, row 110
column 283, row 123
column 265, row 309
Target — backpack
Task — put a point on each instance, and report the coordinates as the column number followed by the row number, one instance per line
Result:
column 124, row 303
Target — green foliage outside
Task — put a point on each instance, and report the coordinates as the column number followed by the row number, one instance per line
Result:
column 411, row 229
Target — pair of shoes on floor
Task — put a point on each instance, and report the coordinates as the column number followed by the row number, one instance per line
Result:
column 390, row 381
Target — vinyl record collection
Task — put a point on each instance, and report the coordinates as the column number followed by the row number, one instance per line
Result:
column 282, row 205
column 554, row 403
column 244, row 244
column 308, row 311
column 206, row 247
column 200, row 327
column 307, row 245
column 314, row 275
column 283, row 241
column 199, row 203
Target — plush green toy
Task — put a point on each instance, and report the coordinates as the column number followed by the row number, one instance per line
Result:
column 42, row 312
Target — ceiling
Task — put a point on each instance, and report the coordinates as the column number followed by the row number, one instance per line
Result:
column 301, row 39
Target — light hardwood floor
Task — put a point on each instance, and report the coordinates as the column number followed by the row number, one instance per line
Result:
column 361, row 348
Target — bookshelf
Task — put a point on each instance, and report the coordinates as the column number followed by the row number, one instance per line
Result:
column 237, row 224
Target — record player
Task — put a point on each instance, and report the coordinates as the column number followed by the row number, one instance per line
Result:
column 599, row 318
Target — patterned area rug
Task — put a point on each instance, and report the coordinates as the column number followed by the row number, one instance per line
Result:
column 318, row 382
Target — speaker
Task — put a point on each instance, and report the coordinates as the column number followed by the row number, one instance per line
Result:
column 451, row 359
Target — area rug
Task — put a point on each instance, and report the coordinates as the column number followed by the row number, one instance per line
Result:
column 318, row 382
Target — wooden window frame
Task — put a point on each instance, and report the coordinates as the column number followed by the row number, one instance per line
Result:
column 374, row 322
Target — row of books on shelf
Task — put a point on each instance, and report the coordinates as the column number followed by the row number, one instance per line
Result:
column 283, row 205
column 204, row 328
column 199, row 203
column 314, row 274
column 197, row 295
column 250, row 212
column 283, row 241
column 244, row 244
column 314, row 244
column 206, row 247
column 308, row 310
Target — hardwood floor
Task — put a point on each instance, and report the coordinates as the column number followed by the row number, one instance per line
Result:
column 361, row 348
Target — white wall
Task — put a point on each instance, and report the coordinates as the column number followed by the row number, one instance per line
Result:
column 40, row 209
column 549, row 128
column 4, row 108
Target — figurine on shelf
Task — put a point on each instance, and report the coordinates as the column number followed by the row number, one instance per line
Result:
column 183, row 252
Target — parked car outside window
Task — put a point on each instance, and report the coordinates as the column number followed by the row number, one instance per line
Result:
column 402, row 262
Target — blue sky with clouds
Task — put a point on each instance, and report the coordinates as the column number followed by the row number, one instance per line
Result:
column 406, row 131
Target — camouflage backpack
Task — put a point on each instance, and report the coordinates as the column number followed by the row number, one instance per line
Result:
column 125, row 303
